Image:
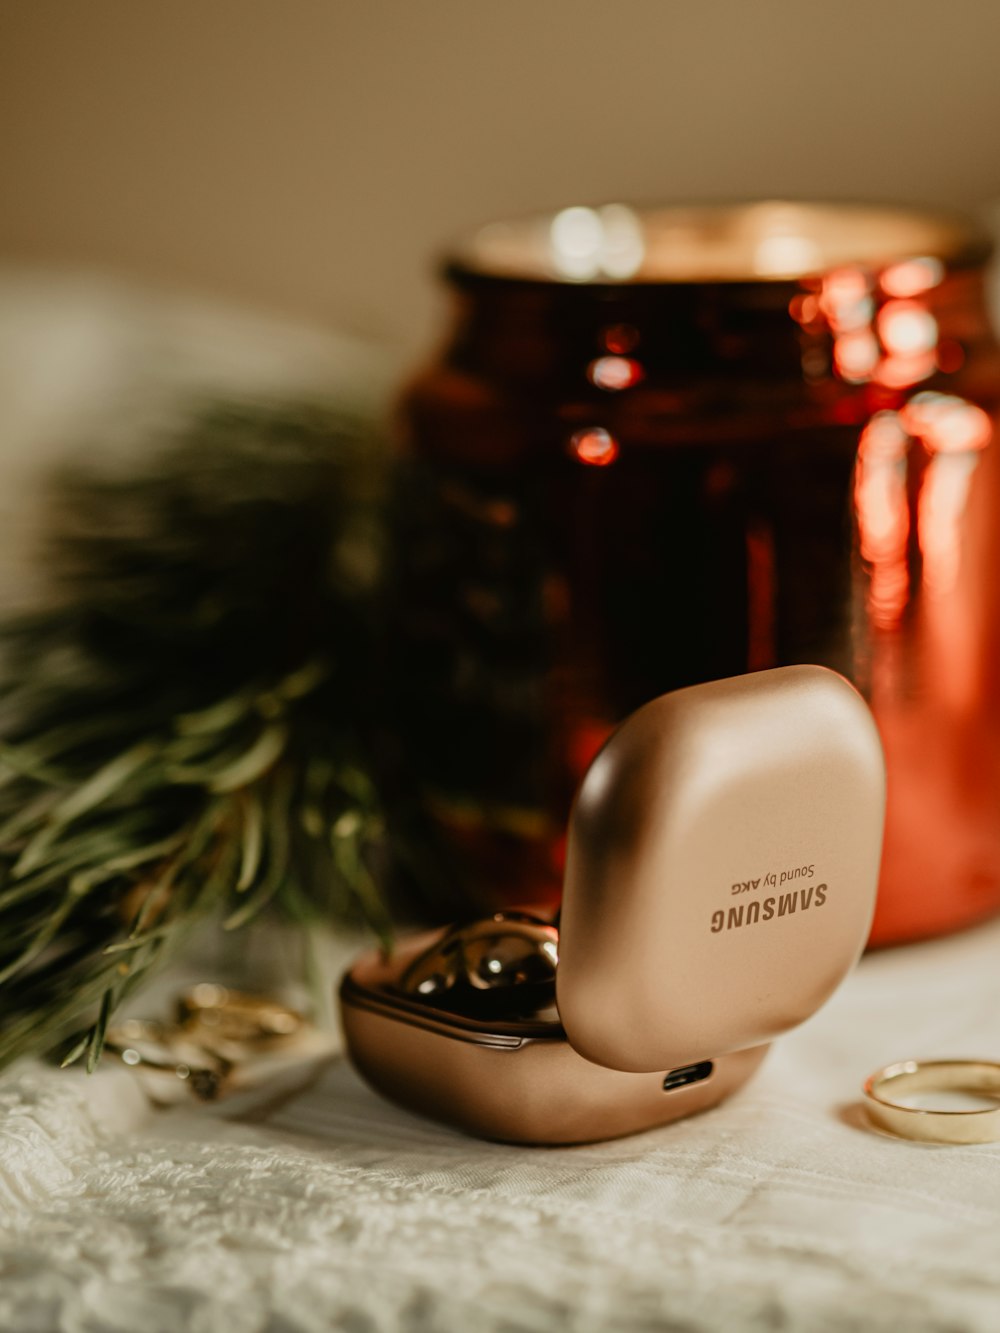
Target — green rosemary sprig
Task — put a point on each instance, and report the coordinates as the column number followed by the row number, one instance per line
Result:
column 229, row 811
column 186, row 732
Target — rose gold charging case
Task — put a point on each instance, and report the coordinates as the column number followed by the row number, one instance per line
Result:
column 722, row 862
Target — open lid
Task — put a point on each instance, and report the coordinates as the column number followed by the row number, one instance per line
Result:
column 721, row 869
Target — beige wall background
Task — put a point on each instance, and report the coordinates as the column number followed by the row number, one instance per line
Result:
column 312, row 156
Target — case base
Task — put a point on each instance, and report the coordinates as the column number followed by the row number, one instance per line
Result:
column 519, row 1082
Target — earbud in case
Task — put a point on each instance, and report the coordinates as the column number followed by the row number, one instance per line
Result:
column 722, row 861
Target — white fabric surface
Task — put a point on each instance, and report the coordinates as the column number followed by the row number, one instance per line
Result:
column 779, row 1210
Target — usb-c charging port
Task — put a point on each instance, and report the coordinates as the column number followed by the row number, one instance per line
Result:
column 680, row 1078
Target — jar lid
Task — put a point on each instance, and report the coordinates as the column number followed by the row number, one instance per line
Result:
column 722, row 864
column 766, row 241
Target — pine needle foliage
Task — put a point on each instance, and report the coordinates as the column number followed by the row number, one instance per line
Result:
column 186, row 731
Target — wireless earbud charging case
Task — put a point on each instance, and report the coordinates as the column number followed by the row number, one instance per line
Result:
column 722, row 863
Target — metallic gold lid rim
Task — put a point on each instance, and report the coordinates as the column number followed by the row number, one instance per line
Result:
column 512, row 252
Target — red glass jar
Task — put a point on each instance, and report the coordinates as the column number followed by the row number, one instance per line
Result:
column 666, row 447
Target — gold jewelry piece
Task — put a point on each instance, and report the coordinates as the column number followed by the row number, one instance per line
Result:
column 236, row 1016
column 976, row 1077
column 164, row 1050
column 222, row 1042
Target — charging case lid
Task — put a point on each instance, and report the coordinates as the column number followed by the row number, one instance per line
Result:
column 722, row 863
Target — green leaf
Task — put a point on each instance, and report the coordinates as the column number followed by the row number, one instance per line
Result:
column 22, row 820
column 21, row 761
column 135, row 941
column 278, row 849
column 90, row 794
column 233, row 768
column 299, row 683
column 96, row 1043
column 253, row 837
column 53, row 924
column 261, row 756
column 139, row 856
column 350, row 862
column 75, row 1052
column 217, row 717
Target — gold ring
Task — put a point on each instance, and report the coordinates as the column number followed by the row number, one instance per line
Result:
column 979, row 1078
column 235, row 1016
column 149, row 1046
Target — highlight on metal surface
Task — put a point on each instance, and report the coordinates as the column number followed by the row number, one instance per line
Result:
column 502, row 966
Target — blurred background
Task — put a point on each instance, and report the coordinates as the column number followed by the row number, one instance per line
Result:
column 221, row 226
column 310, row 157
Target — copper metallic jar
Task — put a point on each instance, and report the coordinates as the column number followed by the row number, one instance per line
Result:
column 667, row 447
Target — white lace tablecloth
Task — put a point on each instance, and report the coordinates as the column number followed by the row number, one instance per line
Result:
column 779, row 1210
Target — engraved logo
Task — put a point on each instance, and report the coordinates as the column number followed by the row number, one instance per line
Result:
column 768, row 909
